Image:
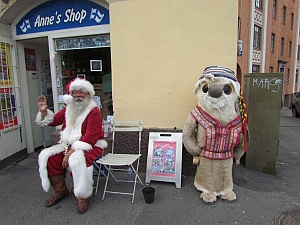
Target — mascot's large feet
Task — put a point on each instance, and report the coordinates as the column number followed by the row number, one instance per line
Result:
column 229, row 197
column 208, row 198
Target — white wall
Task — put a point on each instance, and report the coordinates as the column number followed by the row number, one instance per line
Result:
column 159, row 50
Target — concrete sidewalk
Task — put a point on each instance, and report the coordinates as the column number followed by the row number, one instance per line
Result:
column 260, row 197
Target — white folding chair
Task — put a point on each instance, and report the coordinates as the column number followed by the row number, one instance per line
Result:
column 100, row 172
column 122, row 161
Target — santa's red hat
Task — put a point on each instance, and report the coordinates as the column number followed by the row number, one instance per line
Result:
column 78, row 84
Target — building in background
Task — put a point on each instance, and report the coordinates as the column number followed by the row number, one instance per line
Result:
column 268, row 33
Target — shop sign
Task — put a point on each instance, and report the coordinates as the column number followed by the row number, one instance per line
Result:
column 62, row 14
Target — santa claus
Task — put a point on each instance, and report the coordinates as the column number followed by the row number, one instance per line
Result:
column 80, row 144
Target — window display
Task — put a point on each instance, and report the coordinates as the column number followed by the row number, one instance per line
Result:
column 8, row 107
column 77, row 63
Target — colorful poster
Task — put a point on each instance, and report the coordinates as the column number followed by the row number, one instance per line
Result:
column 8, row 116
column 30, row 59
column 163, row 158
column 5, row 66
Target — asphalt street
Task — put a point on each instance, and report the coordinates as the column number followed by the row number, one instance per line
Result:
column 260, row 197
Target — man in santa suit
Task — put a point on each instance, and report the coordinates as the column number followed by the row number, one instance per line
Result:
column 81, row 142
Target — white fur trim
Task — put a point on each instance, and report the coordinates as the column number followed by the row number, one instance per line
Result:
column 43, row 159
column 82, row 175
column 67, row 99
column 85, row 85
column 101, row 143
column 80, row 145
column 47, row 120
column 72, row 133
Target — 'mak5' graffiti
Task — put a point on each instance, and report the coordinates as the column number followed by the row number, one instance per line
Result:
column 269, row 84
column 69, row 16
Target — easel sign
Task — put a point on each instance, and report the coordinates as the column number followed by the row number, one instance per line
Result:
column 164, row 157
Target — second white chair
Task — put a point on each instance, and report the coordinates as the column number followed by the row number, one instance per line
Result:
column 121, row 162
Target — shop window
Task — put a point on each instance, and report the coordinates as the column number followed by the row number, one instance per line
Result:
column 8, row 108
column 99, row 41
column 89, row 58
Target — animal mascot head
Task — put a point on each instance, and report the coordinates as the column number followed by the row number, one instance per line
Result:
column 214, row 131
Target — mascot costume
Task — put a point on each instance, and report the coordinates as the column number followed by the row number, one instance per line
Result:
column 215, row 133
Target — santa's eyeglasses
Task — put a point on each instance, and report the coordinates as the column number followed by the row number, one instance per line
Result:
column 79, row 92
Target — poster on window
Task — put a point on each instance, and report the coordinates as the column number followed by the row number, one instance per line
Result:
column 5, row 66
column 164, row 157
column 30, row 59
column 8, row 116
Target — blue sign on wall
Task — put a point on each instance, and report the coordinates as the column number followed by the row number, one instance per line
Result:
column 62, row 14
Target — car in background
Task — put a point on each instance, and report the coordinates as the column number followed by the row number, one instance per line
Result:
column 296, row 105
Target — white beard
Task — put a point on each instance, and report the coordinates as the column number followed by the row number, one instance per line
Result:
column 77, row 107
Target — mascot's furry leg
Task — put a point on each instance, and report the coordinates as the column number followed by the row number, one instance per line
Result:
column 214, row 178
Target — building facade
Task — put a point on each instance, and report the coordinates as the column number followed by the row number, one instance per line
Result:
column 145, row 56
column 268, row 41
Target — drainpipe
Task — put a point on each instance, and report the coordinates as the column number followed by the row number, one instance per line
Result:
column 296, row 52
column 252, row 5
column 264, row 37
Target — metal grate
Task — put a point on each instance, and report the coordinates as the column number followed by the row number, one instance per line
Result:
column 291, row 217
column 8, row 107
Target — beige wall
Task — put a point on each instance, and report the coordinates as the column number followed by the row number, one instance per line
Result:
column 159, row 50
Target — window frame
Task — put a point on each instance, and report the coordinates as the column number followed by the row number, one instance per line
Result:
column 290, row 49
column 274, row 10
column 282, row 46
column 272, row 43
column 284, row 15
column 288, row 77
column 292, row 21
column 10, row 108
column 255, row 70
column 258, row 4
column 257, row 37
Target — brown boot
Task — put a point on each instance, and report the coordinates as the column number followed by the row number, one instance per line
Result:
column 60, row 188
column 82, row 205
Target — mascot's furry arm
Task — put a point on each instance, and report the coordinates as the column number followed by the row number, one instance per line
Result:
column 189, row 136
column 238, row 152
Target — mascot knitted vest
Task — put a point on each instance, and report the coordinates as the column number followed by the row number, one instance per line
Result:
column 220, row 140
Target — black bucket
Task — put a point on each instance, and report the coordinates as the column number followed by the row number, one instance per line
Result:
column 148, row 193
